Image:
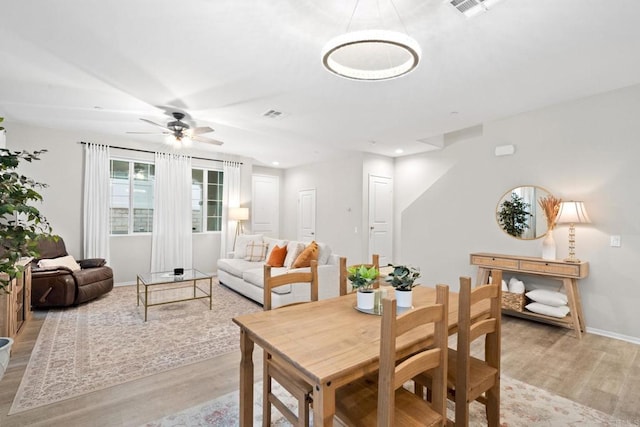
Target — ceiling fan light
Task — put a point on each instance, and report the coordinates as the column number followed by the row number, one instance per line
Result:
column 371, row 55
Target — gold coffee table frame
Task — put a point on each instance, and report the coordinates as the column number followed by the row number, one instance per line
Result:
column 167, row 278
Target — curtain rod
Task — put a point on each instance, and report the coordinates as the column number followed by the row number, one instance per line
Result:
column 153, row 152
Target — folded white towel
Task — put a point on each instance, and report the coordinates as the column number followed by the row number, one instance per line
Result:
column 505, row 288
column 516, row 287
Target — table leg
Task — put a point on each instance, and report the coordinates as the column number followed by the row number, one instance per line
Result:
column 146, row 301
column 210, row 293
column 483, row 276
column 324, row 404
column 575, row 307
column 246, row 380
column 138, row 290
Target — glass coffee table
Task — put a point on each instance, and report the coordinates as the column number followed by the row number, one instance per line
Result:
column 166, row 288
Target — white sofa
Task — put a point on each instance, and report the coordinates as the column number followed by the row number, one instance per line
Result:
column 246, row 277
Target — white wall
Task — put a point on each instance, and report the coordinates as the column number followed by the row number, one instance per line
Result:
column 338, row 185
column 62, row 168
column 583, row 150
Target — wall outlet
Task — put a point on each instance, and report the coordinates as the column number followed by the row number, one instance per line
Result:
column 615, row 241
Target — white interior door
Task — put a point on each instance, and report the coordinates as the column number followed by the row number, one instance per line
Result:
column 307, row 215
column 381, row 218
column 265, row 203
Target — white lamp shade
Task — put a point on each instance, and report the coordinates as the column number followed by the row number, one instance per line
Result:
column 572, row 213
column 239, row 214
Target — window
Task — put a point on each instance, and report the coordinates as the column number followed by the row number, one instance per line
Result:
column 131, row 209
column 206, row 190
column 132, row 185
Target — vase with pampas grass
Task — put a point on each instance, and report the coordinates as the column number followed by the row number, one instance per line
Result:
column 550, row 207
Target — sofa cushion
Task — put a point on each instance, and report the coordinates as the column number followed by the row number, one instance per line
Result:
column 255, row 251
column 65, row 261
column 278, row 254
column 293, row 250
column 237, row 266
column 324, row 253
column 255, row 276
column 243, row 240
column 309, row 254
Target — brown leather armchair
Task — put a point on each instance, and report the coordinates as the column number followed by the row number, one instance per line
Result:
column 59, row 286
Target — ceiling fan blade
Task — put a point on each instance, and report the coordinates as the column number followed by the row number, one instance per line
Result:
column 154, row 123
column 201, row 130
column 149, row 133
column 206, row 140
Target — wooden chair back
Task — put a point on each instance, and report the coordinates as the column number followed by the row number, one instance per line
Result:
column 279, row 370
column 470, row 386
column 392, row 376
column 293, row 279
column 375, row 262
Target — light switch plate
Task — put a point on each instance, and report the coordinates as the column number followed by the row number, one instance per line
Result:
column 615, row 241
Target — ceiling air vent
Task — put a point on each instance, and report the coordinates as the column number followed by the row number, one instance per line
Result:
column 273, row 114
column 472, row 7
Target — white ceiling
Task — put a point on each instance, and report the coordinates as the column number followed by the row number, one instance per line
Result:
column 99, row 66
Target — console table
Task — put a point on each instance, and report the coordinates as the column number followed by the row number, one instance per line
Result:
column 566, row 272
column 15, row 306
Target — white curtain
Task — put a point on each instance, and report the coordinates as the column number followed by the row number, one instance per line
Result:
column 96, row 201
column 171, row 242
column 230, row 199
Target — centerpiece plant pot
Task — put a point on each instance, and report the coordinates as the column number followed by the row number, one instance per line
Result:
column 5, row 351
column 402, row 278
column 362, row 279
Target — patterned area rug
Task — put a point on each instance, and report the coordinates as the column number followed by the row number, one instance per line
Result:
column 523, row 405
column 106, row 342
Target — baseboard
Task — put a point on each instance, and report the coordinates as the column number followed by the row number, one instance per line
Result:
column 633, row 340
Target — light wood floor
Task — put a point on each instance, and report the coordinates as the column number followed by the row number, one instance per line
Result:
column 599, row 372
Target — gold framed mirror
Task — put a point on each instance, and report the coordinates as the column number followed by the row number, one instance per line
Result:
column 519, row 214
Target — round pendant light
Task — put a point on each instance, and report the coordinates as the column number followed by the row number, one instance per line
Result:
column 371, row 55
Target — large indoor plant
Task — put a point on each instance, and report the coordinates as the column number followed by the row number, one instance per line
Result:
column 362, row 279
column 403, row 278
column 20, row 222
column 513, row 215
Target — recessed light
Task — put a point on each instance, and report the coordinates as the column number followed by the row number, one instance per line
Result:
column 399, row 151
column 275, row 163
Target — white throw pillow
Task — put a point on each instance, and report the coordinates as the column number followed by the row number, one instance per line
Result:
column 548, row 297
column 65, row 261
column 324, row 252
column 255, row 251
column 548, row 310
column 242, row 241
column 293, row 250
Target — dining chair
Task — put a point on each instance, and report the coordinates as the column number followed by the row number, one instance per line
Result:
column 375, row 262
column 385, row 402
column 277, row 369
column 470, row 378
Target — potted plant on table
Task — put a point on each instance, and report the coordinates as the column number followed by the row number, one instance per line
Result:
column 362, row 279
column 403, row 278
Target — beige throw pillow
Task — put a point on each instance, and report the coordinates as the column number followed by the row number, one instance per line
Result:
column 255, row 251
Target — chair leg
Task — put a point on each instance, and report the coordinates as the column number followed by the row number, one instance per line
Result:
column 266, row 391
column 462, row 410
column 493, row 406
column 303, row 411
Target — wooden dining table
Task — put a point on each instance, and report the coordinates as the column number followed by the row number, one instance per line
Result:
column 327, row 343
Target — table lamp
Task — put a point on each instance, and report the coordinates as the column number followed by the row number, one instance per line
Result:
column 572, row 213
column 238, row 215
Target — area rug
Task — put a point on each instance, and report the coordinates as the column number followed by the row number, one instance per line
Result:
column 107, row 342
column 523, row 405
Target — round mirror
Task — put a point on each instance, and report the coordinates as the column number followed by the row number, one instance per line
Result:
column 519, row 214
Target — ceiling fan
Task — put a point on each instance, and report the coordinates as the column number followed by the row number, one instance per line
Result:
column 181, row 130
